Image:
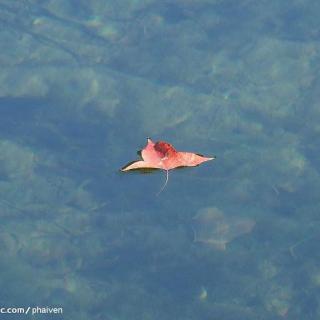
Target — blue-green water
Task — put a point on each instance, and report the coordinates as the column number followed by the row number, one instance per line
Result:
column 84, row 83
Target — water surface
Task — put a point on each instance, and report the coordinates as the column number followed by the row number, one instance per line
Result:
column 84, row 83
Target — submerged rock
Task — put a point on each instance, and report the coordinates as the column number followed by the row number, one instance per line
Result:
column 213, row 227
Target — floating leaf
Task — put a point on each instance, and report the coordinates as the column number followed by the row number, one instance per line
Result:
column 162, row 155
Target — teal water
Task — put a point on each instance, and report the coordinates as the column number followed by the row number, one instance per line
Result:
column 84, row 83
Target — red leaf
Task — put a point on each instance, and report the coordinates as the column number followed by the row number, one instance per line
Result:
column 162, row 155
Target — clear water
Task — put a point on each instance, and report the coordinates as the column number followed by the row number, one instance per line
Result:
column 84, row 83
